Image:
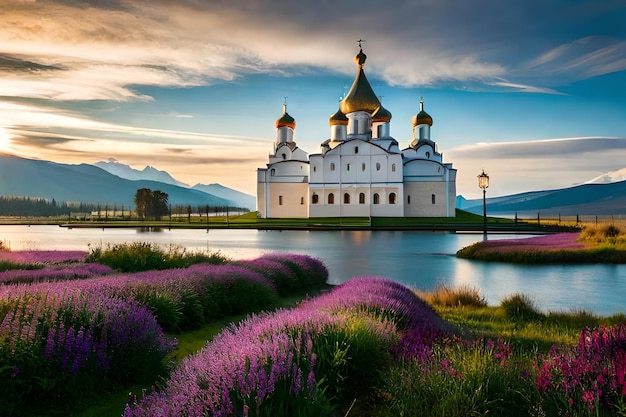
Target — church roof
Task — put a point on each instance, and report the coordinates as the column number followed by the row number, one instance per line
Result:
column 286, row 120
column 422, row 117
column 381, row 115
column 338, row 119
column 361, row 97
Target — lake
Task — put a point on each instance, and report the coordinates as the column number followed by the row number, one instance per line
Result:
column 417, row 259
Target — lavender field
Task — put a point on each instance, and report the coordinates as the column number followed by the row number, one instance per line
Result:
column 71, row 329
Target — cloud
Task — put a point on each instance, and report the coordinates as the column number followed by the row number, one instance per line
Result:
column 523, row 88
column 100, row 49
column 545, row 164
column 580, row 59
column 33, row 139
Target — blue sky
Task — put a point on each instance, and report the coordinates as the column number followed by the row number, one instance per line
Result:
column 532, row 92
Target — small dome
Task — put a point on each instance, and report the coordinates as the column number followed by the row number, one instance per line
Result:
column 382, row 115
column 338, row 119
column 286, row 120
column 360, row 58
column 422, row 117
column 361, row 97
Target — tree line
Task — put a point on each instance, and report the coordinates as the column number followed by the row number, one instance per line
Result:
column 40, row 207
column 149, row 204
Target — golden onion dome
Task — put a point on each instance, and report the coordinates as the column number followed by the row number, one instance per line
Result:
column 286, row 120
column 338, row 119
column 382, row 115
column 361, row 97
column 422, row 117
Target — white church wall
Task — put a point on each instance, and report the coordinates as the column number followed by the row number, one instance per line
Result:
column 287, row 200
column 428, row 199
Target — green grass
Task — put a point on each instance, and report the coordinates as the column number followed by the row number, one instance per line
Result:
column 143, row 256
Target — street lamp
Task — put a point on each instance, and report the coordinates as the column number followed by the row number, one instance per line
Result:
column 483, row 182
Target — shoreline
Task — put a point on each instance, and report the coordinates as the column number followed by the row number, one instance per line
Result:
column 434, row 227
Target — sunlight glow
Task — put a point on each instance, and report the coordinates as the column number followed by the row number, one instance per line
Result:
column 5, row 139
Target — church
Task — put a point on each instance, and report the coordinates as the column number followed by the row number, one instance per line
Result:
column 360, row 171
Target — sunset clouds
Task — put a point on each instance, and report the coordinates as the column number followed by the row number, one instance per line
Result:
column 182, row 84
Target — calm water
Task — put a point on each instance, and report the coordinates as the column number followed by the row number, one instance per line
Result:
column 418, row 259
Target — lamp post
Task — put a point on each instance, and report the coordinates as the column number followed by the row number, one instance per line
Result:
column 483, row 182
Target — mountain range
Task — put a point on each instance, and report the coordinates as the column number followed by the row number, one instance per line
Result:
column 112, row 182
column 97, row 185
column 599, row 196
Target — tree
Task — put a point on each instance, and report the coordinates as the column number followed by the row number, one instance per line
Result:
column 150, row 203
column 142, row 202
column 160, row 204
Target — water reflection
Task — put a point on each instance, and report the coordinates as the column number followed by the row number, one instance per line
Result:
column 417, row 259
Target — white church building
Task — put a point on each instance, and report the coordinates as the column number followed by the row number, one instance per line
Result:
column 360, row 171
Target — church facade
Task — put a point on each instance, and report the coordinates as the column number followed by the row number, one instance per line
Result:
column 360, row 171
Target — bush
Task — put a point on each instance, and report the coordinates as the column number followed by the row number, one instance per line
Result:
column 310, row 273
column 62, row 346
column 520, row 308
column 283, row 277
column 603, row 233
column 463, row 296
column 143, row 256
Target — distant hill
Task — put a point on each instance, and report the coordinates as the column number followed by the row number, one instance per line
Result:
column 87, row 183
column 586, row 199
column 243, row 200
column 238, row 198
column 148, row 173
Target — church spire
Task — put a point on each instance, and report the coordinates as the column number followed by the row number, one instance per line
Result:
column 361, row 97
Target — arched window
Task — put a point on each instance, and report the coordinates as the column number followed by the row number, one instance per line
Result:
column 356, row 149
column 347, row 167
column 273, row 172
column 280, row 200
column 315, row 198
column 332, row 166
column 408, row 199
column 314, row 168
column 331, row 198
column 392, row 198
column 393, row 167
column 428, row 155
column 284, row 156
column 433, row 198
column 376, row 199
column 361, row 198
column 377, row 166
column 301, row 200
column 363, row 166
column 346, row 198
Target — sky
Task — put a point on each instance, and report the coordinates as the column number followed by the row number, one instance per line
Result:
column 533, row 93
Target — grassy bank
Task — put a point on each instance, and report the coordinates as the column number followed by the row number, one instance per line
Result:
column 605, row 243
